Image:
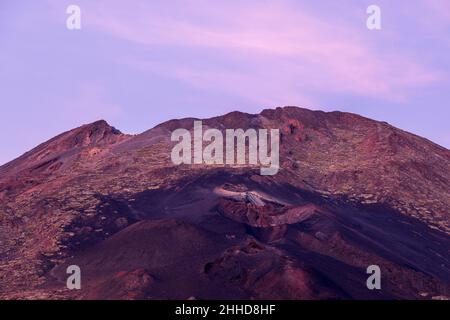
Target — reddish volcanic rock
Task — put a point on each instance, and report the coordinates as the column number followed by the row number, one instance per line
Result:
column 350, row 192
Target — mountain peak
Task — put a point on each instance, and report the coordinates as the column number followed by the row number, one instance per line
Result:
column 98, row 134
column 100, row 125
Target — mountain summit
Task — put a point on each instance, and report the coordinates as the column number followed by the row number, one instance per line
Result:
column 351, row 192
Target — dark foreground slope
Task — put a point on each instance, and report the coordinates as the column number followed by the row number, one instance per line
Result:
column 352, row 192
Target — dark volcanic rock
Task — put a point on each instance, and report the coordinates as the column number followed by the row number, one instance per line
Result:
column 351, row 192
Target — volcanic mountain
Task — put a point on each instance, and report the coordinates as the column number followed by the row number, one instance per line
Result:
column 350, row 193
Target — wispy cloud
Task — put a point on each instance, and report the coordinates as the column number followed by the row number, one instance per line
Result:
column 267, row 45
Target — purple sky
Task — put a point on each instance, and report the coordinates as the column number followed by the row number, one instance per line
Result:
column 138, row 63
